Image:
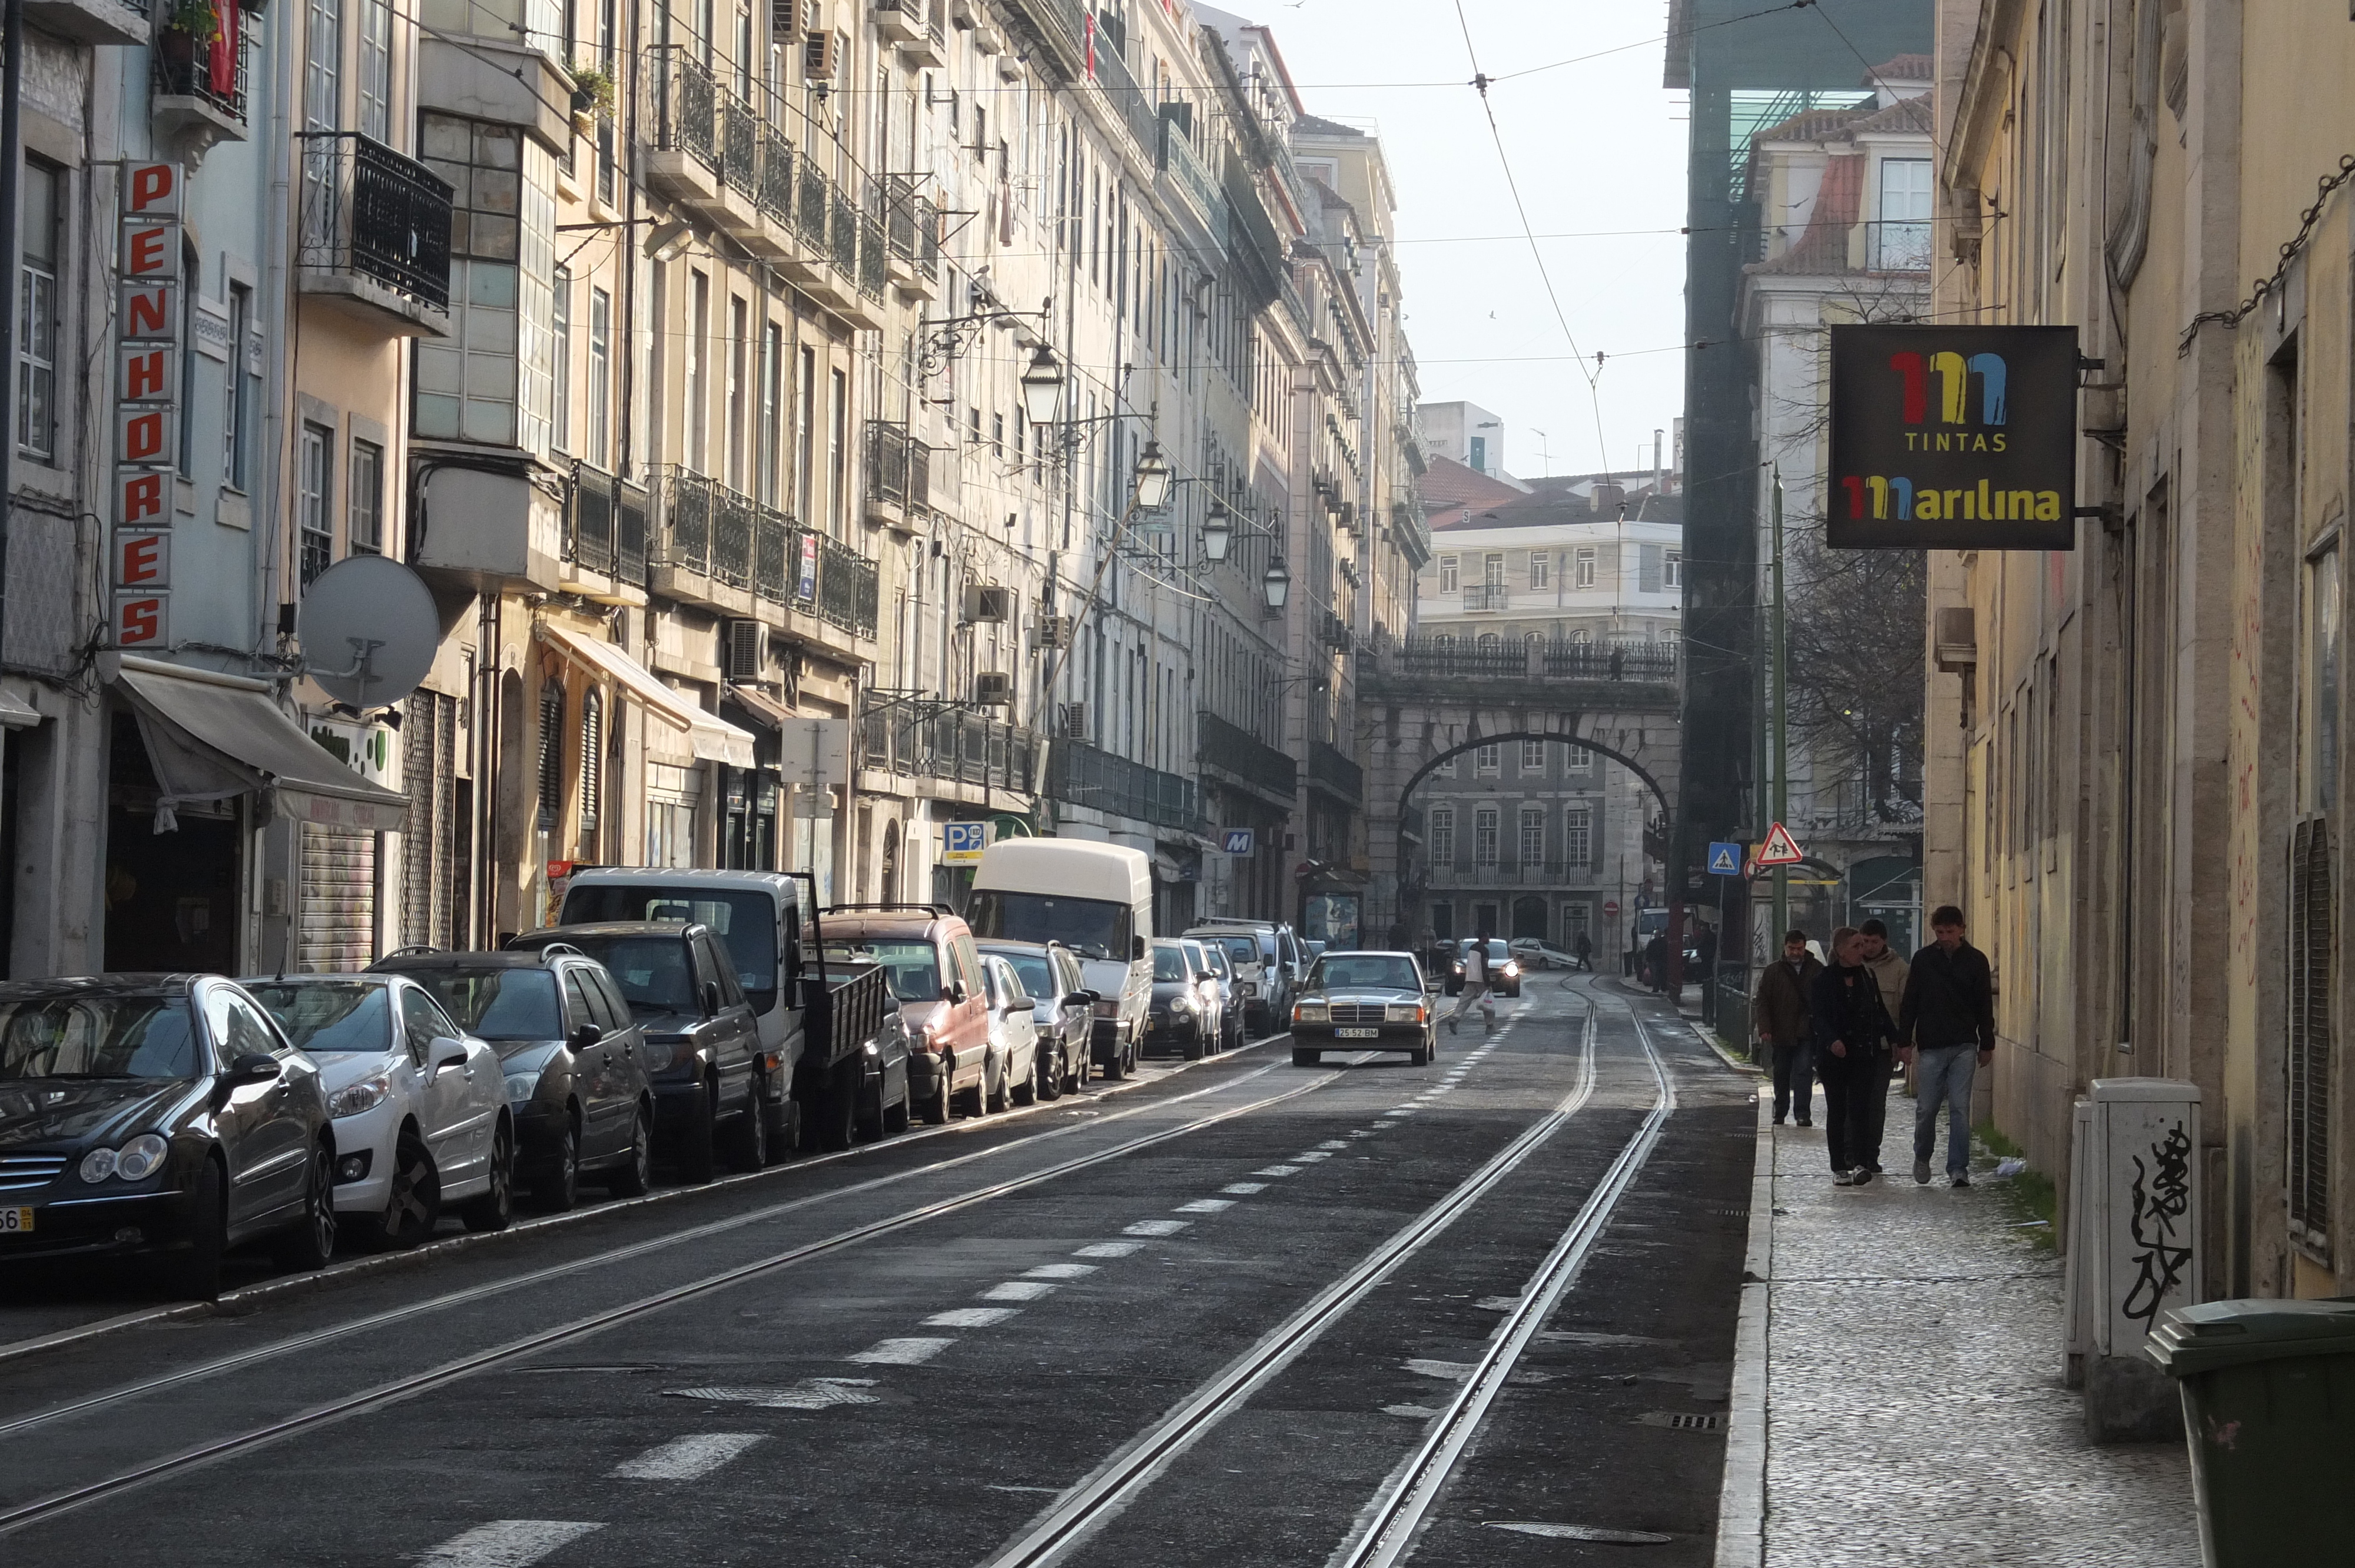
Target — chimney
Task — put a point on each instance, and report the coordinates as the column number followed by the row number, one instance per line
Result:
column 1609, row 497
column 1659, row 473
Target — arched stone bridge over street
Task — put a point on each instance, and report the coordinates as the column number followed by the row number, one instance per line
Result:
column 1428, row 699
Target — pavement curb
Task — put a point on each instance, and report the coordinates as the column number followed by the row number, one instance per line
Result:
column 1742, row 1499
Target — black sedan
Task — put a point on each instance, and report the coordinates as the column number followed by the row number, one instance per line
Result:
column 1504, row 968
column 1177, row 1019
column 162, row 1117
column 1363, row 1002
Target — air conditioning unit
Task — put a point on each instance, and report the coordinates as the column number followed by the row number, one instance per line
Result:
column 819, row 53
column 743, row 648
column 1054, row 631
column 787, row 17
column 993, row 689
column 1074, row 716
column 982, row 603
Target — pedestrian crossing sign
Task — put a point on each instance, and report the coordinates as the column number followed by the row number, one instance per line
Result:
column 1724, row 858
column 1780, row 848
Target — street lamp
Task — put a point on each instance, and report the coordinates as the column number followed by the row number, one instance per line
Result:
column 1217, row 533
column 1042, row 387
column 1276, row 583
column 1154, row 479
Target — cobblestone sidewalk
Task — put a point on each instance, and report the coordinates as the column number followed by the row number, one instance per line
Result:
column 1914, row 1406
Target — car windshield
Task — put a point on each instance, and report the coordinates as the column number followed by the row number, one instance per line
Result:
column 1365, row 971
column 1037, row 982
column 1091, row 928
column 911, row 966
column 99, row 1037
column 329, row 1017
column 653, row 971
column 1497, row 947
column 1242, row 949
column 1214, row 959
column 745, row 923
column 499, row 1004
column 1168, row 963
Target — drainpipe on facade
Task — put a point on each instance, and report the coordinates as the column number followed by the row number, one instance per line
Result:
column 267, row 537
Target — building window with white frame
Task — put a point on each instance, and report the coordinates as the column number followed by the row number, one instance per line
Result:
column 1672, row 569
column 1489, row 758
column 1533, row 756
column 1449, row 569
column 739, row 389
column 772, row 408
column 1442, row 836
column 1900, row 240
column 1584, row 563
column 698, row 386
column 1484, row 836
column 366, row 520
column 1533, row 836
column 600, row 378
column 239, row 392
column 1578, row 835
column 314, row 482
column 559, row 335
column 1540, row 569
column 39, row 301
column 1581, row 760
column 376, row 69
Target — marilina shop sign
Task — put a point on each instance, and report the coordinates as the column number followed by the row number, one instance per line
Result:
column 1953, row 438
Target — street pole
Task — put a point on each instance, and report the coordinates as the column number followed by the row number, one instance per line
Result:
column 12, row 100
column 1780, row 715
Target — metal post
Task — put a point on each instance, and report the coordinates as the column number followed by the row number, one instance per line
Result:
column 1780, row 714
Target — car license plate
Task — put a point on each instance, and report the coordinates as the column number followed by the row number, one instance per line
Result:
column 12, row 1220
column 1357, row 1034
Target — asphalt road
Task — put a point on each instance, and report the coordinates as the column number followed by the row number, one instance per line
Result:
column 1216, row 1319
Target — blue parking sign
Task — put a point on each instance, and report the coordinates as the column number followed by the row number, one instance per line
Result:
column 1724, row 858
column 1239, row 841
column 963, row 841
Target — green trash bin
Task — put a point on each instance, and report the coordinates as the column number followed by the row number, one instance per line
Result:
column 2269, row 1408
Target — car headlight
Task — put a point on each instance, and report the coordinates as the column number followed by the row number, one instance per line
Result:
column 1107, row 1007
column 1181, row 1004
column 522, row 1087
column 1247, row 988
column 1404, row 1012
column 142, row 1156
column 1310, row 1013
column 1512, row 970
column 365, row 1095
column 97, row 1165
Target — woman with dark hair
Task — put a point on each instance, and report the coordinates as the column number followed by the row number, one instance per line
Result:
column 1853, row 1038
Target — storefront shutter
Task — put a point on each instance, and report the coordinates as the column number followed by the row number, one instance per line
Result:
column 2312, row 920
column 337, row 926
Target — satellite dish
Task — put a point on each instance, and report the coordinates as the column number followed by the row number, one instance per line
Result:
column 368, row 630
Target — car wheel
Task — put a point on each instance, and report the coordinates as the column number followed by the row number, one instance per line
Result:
column 870, row 1113
column 556, row 1186
column 748, row 1136
column 784, row 1127
column 414, row 1207
column 995, row 1095
column 496, row 1207
column 311, row 1241
column 1306, row 1058
column 196, row 1273
column 837, row 1111
column 698, row 1160
column 1195, row 1050
column 895, row 1114
column 1110, row 1073
column 1420, row 1056
column 1049, row 1074
column 1024, row 1091
column 937, row 1104
column 634, row 1177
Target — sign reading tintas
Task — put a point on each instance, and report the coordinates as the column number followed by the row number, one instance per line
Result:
column 1953, row 438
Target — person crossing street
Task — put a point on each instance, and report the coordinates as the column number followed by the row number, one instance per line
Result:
column 1476, row 987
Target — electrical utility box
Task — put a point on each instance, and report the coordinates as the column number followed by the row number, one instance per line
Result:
column 2134, row 1247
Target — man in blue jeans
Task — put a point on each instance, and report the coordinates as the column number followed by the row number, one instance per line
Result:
column 1946, row 1027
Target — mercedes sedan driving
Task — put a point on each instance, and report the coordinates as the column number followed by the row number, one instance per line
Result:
column 1363, row 1002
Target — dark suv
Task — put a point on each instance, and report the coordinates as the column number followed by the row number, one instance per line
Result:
column 576, row 1061
column 703, row 1043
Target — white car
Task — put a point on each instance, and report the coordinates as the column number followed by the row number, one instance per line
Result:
column 420, row 1107
column 1013, row 1036
column 1534, row 954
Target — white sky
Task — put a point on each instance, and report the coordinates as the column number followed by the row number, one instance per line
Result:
column 1598, row 145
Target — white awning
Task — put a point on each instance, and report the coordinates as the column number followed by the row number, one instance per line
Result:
column 711, row 739
column 15, row 713
column 210, row 737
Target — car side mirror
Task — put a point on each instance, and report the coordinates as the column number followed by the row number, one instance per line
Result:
column 1205, row 975
column 1021, row 1004
column 449, row 1054
column 585, row 1038
column 954, row 993
column 1135, row 948
column 250, row 1067
column 711, row 998
column 1080, row 999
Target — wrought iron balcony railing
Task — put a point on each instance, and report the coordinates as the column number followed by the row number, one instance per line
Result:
column 740, row 135
column 911, row 224
column 1485, row 596
column 966, row 747
column 683, row 113
column 849, row 589
column 371, row 212
column 186, row 68
column 1895, row 247
column 899, row 467
column 1083, row 775
column 1240, row 752
column 1334, row 772
column 776, row 194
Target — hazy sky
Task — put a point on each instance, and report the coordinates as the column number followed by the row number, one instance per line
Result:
column 1596, row 145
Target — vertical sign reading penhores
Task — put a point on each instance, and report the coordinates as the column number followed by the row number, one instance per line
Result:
column 1953, row 438
column 147, row 415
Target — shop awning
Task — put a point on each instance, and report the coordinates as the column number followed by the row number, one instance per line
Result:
column 762, row 708
column 712, row 739
column 211, row 737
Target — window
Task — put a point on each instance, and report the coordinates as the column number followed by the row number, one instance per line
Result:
column 1584, row 565
column 699, row 387
column 1533, row 756
column 1578, row 835
column 772, row 408
column 367, row 536
column 1447, row 574
column 323, row 89
column 1533, row 836
column 1447, row 768
column 1492, row 569
column 2318, row 752
column 314, row 523
column 237, row 393
column 1477, row 454
column 740, row 388
column 1672, row 571
column 560, row 338
column 551, row 754
column 838, row 451
column 805, row 438
column 37, row 301
column 1580, row 760
column 492, row 380
column 1484, row 836
column 1901, row 241
column 1489, row 759
column 600, row 378
column 376, row 69
column 1442, row 836
column 1540, row 569
column 997, row 434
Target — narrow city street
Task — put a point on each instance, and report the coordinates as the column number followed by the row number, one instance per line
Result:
column 1246, row 1311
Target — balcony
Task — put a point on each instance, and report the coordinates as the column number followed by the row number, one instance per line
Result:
column 899, row 475
column 1487, row 598
column 1230, row 754
column 375, row 234
column 682, row 121
column 1611, row 660
column 1335, row 774
column 848, row 587
column 1083, row 775
column 727, row 551
column 952, row 747
column 494, row 72
column 89, row 21
column 1892, row 247
column 492, row 533
column 773, row 195
column 911, row 238
column 199, row 92
column 740, row 131
column 1199, row 196
column 917, row 28
column 604, row 539
column 1131, row 102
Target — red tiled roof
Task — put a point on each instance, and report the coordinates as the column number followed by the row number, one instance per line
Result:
column 1903, row 68
column 1451, row 486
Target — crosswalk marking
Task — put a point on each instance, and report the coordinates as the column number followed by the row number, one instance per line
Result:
column 1205, row 1206
column 1060, row 1271
column 1109, row 1249
column 1155, row 1227
column 686, row 1459
column 504, row 1543
column 903, row 1352
column 970, row 1317
column 1018, row 1290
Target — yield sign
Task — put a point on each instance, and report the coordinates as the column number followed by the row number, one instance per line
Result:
column 1780, row 848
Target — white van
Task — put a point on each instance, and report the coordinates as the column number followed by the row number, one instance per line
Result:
column 1094, row 898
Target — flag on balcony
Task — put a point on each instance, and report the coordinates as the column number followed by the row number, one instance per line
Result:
column 222, row 64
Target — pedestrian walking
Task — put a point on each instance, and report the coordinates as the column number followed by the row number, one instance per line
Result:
column 1853, row 1036
column 1476, row 987
column 1948, row 1021
column 1655, row 962
column 1582, row 948
column 1779, row 1012
column 1889, row 969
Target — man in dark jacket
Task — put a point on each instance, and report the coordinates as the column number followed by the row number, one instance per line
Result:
column 1779, row 1012
column 1655, row 962
column 1852, row 1041
column 1947, row 1027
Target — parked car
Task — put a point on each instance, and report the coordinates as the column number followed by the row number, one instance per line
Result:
column 1233, row 1036
column 706, row 1063
column 419, row 1105
column 1531, row 953
column 1178, row 1021
column 1062, row 1010
column 1364, row 1002
column 928, row 964
column 1094, row 898
column 1269, row 962
column 1014, row 1033
column 158, row 1117
column 576, row 1063
column 1504, row 970
column 884, row 1099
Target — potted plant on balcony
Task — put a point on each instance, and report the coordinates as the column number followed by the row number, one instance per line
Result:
column 592, row 97
column 189, row 30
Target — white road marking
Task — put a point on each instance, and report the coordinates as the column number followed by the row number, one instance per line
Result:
column 504, row 1543
column 1453, row 1372
column 1415, row 1412
column 1577, row 1532
column 1204, row 1206
column 686, row 1458
column 1332, row 1143
column 1109, row 1249
column 907, row 1353
column 1155, row 1227
column 1402, row 1110
column 1244, row 1189
column 970, row 1317
column 810, row 1393
column 1018, row 1290
column 1059, row 1271
column 1312, row 1156
column 1281, row 1169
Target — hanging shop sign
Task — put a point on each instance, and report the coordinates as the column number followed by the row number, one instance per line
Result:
column 146, row 414
column 1953, row 438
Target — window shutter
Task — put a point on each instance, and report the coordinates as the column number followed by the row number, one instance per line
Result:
column 593, row 763
column 2311, row 921
column 1648, row 568
column 551, row 754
